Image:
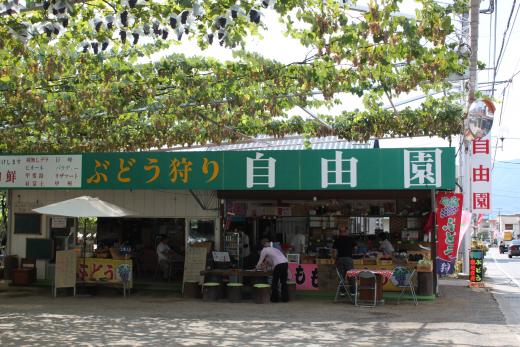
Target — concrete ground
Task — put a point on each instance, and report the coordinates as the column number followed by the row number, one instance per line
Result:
column 460, row 317
column 503, row 277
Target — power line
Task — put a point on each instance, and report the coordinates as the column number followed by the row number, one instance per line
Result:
column 511, row 31
column 504, row 190
column 507, row 162
column 499, row 123
column 502, row 47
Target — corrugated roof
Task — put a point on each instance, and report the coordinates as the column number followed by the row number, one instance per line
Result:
column 265, row 143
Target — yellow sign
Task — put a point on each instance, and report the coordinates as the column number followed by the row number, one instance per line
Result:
column 99, row 270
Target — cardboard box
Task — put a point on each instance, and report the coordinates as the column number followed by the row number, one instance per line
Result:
column 357, row 261
column 384, row 262
column 325, row 261
column 424, row 267
column 370, row 261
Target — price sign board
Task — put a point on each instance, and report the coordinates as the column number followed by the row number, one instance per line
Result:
column 476, row 265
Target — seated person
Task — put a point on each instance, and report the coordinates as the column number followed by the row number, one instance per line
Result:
column 385, row 246
column 361, row 247
column 164, row 254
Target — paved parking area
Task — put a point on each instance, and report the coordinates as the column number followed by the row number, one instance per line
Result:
column 461, row 317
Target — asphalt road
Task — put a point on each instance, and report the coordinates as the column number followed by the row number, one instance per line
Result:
column 503, row 274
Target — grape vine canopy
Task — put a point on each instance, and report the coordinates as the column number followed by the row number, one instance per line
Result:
column 92, row 75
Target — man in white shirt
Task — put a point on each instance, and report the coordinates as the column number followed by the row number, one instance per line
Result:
column 298, row 243
column 385, row 246
column 163, row 256
column 278, row 261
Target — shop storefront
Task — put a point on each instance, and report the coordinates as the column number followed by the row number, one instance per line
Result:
column 297, row 199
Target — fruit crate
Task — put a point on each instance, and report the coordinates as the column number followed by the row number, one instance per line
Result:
column 369, row 261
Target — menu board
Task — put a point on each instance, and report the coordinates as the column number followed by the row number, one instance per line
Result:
column 65, row 270
column 194, row 263
column 40, row 171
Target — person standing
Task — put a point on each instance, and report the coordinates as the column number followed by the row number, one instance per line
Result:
column 279, row 263
column 385, row 246
column 163, row 256
column 246, row 250
column 298, row 242
column 344, row 246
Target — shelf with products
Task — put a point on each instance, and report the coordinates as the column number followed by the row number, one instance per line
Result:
column 320, row 241
column 232, row 245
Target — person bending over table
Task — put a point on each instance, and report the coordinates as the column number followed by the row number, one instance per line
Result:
column 279, row 263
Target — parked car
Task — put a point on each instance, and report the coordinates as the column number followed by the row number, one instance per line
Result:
column 514, row 249
column 502, row 248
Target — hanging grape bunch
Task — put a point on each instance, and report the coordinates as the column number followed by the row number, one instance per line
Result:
column 450, row 206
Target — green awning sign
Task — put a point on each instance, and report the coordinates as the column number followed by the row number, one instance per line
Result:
column 355, row 169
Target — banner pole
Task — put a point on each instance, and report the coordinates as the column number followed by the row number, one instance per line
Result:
column 434, row 242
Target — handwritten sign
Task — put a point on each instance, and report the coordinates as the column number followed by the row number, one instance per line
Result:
column 40, row 171
column 98, row 270
column 476, row 265
column 194, row 263
column 58, row 222
column 221, row 257
column 65, row 270
column 305, row 276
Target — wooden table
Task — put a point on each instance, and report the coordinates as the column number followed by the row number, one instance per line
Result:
column 237, row 273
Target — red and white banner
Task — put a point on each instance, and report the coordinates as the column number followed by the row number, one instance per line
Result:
column 480, row 175
column 449, row 210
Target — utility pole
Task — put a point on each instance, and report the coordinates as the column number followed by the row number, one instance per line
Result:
column 465, row 158
column 499, row 220
column 474, row 21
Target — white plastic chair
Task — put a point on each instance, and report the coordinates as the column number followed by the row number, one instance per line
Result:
column 370, row 277
column 403, row 278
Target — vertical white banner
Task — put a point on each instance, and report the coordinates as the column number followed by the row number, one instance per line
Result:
column 480, row 175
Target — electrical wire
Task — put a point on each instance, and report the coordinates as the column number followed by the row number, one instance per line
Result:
column 503, row 45
column 499, row 123
column 512, row 29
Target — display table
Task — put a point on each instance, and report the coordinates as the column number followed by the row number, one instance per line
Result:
column 253, row 275
column 382, row 277
column 388, row 286
column 236, row 272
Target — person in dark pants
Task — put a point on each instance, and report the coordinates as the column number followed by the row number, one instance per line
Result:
column 278, row 261
column 344, row 246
